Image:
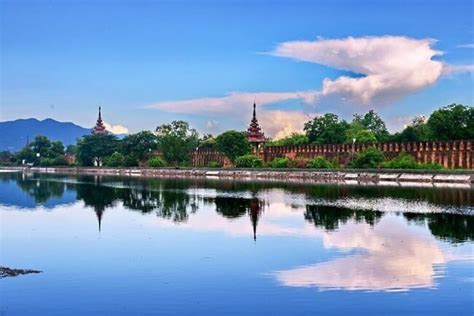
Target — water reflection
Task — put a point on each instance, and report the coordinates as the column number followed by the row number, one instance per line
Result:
column 331, row 217
column 391, row 256
column 237, row 207
column 363, row 249
column 176, row 200
column 98, row 197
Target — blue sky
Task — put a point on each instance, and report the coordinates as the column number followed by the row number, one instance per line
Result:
column 140, row 60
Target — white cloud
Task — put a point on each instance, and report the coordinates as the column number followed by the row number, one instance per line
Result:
column 211, row 125
column 392, row 66
column 275, row 123
column 388, row 68
column 457, row 69
column 116, row 129
column 471, row 45
column 278, row 124
column 396, row 123
column 234, row 102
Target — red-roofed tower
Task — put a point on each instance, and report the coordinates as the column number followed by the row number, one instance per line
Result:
column 99, row 127
column 254, row 132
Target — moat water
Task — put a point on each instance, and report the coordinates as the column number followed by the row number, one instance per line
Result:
column 129, row 246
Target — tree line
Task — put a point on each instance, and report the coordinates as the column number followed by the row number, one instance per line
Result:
column 176, row 142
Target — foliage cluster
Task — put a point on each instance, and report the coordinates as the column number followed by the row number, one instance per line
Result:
column 322, row 163
column 405, row 161
column 42, row 151
column 233, row 144
column 248, row 161
column 156, row 162
column 369, row 159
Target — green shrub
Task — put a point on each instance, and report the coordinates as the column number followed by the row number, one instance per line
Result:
column 130, row 161
column 60, row 161
column 46, row 162
column 114, row 160
column 430, row 166
column 248, row 161
column 214, row 164
column 299, row 163
column 156, row 162
column 57, row 161
column 279, row 163
column 405, row 161
column 368, row 159
column 322, row 163
column 402, row 161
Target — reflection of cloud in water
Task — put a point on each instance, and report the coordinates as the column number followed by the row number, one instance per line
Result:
column 394, row 256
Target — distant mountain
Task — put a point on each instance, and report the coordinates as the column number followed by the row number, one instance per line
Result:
column 13, row 134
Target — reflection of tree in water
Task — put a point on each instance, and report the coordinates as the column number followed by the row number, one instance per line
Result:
column 40, row 187
column 230, row 207
column 97, row 196
column 330, row 217
column 455, row 228
column 140, row 199
column 167, row 199
column 171, row 199
column 174, row 205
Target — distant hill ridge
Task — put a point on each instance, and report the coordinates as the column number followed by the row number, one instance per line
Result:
column 14, row 134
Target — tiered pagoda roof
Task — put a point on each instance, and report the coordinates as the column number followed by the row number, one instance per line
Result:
column 99, row 127
column 254, row 132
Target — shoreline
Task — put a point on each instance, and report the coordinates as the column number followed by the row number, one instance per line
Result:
column 348, row 176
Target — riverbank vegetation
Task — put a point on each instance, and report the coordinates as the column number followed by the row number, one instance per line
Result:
column 172, row 144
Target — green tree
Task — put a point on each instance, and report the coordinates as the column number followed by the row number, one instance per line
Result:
column 115, row 160
column 56, row 149
column 454, row 121
column 41, row 145
column 71, row 149
column 233, row 144
column 42, row 151
column 417, row 131
column 94, row 148
column 139, row 146
column 207, row 142
column 326, row 129
column 368, row 159
column 27, row 155
column 177, row 141
column 373, row 122
column 359, row 133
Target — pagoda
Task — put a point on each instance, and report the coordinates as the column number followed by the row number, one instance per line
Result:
column 254, row 132
column 99, row 127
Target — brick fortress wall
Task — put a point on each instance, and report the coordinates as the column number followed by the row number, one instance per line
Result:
column 449, row 154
